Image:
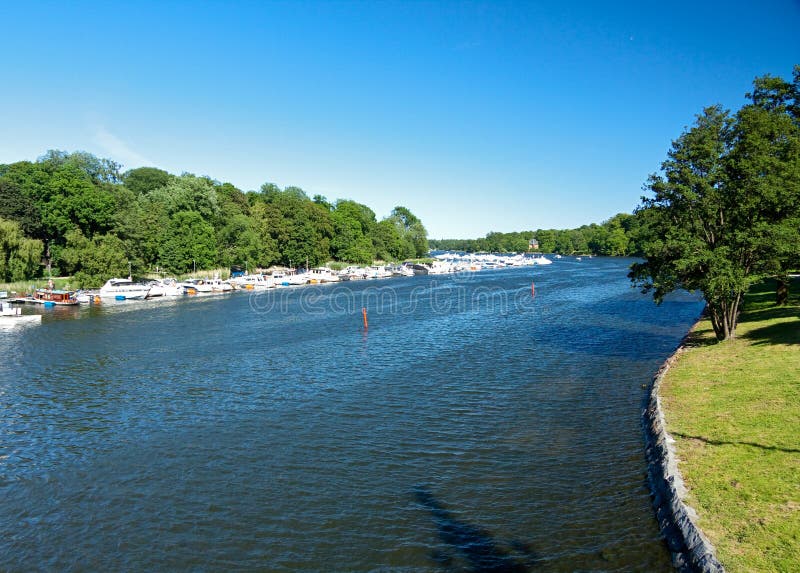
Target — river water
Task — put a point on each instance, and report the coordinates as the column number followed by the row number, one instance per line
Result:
column 471, row 427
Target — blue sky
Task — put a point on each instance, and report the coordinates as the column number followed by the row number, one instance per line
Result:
column 477, row 116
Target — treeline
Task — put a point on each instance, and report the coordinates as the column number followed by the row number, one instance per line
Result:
column 80, row 216
column 619, row 236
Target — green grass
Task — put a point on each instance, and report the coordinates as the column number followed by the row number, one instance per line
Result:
column 734, row 411
column 22, row 287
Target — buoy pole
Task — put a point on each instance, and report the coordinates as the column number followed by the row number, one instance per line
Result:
column 364, row 313
column 533, row 290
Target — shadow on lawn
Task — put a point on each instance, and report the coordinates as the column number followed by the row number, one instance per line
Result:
column 785, row 332
column 728, row 443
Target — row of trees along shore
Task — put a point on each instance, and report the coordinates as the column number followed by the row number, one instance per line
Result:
column 619, row 236
column 83, row 218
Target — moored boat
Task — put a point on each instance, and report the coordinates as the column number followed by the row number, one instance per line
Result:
column 123, row 289
column 352, row 273
column 196, row 286
column 11, row 316
column 165, row 288
column 253, row 282
column 218, row 285
column 378, row 272
column 322, row 275
column 50, row 297
column 289, row 278
column 402, row 271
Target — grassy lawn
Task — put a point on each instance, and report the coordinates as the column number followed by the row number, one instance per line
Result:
column 734, row 411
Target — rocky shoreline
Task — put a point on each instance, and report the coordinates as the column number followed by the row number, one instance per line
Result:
column 691, row 550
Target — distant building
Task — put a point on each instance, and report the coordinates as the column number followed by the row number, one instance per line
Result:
column 533, row 245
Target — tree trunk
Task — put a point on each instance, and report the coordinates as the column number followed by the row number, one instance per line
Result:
column 724, row 317
column 782, row 291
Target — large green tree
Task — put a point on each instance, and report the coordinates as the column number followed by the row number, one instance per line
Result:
column 765, row 166
column 189, row 243
column 93, row 261
column 691, row 242
column 20, row 257
column 353, row 228
column 724, row 214
column 412, row 230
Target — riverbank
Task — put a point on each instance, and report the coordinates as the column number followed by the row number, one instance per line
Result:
column 733, row 410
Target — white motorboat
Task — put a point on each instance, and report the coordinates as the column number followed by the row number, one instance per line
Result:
column 352, row 273
column 123, row 289
column 218, row 285
column 322, row 275
column 196, row 286
column 378, row 272
column 10, row 316
column 289, row 278
column 402, row 271
column 253, row 282
column 165, row 288
column 440, row 268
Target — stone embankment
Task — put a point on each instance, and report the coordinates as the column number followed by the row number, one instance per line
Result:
column 691, row 550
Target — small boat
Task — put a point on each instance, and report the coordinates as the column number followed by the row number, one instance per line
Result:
column 440, row 268
column 378, row 272
column 253, row 282
column 50, row 297
column 165, row 288
column 12, row 316
column 218, row 285
column 322, row 275
column 196, row 286
column 123, row 289
column 352, row 273
column 402, row 271
column 289, row 278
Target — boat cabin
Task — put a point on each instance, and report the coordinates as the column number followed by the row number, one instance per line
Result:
column 57, row 296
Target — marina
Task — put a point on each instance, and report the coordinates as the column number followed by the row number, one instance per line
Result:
column 126, row 289
column 273, row 431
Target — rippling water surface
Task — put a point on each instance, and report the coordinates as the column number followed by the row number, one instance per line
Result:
column 471, row 428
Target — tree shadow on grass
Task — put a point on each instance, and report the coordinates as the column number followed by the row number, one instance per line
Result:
column 786, row 332
column 711, row 442
column 770, row 313
column 700, row 337
column 471, row 548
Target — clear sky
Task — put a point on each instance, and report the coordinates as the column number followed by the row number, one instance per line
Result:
column 477, row 116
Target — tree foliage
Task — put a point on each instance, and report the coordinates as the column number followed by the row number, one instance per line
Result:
column 725, row 209
column 92, row 261
column 19, row 255
column 615, row 237
column 86, row 219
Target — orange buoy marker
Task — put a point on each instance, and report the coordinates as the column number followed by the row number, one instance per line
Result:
column 533, row 291
column 364, row 312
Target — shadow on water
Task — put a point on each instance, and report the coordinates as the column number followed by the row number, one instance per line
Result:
column 470, row 546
